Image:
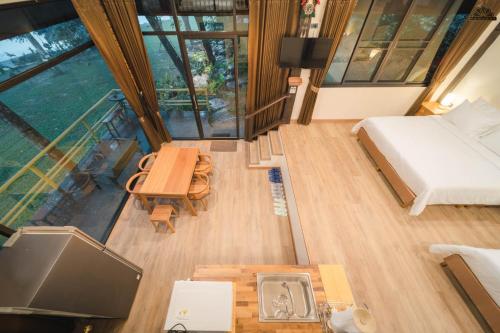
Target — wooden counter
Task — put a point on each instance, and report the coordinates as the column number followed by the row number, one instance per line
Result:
column 247, row 310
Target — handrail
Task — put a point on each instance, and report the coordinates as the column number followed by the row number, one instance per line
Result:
column 50, row 177
column 54, row 171
column 51, row 145
column 248, row 116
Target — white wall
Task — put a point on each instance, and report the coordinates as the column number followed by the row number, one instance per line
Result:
column 359, row 103
column 454, row 72
column 483, row 80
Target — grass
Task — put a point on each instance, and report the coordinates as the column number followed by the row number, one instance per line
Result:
column 50, row 102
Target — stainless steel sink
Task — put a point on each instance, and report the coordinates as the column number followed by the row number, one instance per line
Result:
column 286, row 297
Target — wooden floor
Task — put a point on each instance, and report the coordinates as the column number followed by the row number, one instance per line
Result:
column 238, row 228
column 350, row 217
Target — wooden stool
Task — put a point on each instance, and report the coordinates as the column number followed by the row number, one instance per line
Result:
column 161, row 215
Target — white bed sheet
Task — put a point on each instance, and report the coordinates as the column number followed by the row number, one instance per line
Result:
column 484, row 263
column 440, row 164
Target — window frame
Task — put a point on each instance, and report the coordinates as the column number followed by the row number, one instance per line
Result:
column 54, row 61
column 182, row 35
column 375, row 82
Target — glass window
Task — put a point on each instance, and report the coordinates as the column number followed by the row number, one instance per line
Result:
column 194, row 67
column 242, row 22
column 364, row 64
column 424, row 19
column 212, row 70
column 206, row 23
column 384, row 19
column 450, row 25
column 171, row 85
column 398, row 64
column 156, row 23
column 348, row 42
column 242, row 80
column 401, row 41
column 62, row 132
column 22, row 52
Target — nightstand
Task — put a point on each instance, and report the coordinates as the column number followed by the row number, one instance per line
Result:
column 432, row 108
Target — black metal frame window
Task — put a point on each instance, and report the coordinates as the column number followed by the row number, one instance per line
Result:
column 210, row 22
column 396, row 42
column 63, row 124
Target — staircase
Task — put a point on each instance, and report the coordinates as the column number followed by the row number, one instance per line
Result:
column 265, row 152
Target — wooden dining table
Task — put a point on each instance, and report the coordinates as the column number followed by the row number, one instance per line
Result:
column 170, row 176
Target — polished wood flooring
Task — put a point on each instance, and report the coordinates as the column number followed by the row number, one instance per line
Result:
column 350, row 216
column 239, row 227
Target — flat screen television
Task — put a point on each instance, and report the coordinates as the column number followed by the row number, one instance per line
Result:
column 304, row 52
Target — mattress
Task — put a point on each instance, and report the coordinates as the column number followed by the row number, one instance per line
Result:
column 484, row 263
column 440, row 164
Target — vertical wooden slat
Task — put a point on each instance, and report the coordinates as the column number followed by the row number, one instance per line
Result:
column 270, row 21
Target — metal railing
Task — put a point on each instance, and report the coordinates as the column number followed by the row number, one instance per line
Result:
column 164, row 100
column 48, row 179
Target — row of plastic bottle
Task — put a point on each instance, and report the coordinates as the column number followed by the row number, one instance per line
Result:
column 278, row 193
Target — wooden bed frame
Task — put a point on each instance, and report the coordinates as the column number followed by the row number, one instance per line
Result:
column 476, row 297
column 404, row 193
column 472, row 291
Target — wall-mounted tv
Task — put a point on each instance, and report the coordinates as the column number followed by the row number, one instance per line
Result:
column 305, row 52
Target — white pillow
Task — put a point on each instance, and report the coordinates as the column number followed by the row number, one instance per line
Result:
column 492, row 141
column 459, row 113
column 474, row 119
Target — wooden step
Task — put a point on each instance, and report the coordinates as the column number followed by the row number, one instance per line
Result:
column 264, row 149
column 253, row 153
column 276, row 148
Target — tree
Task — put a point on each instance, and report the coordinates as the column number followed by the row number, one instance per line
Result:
column 29, row 132
column 206, row 43
column 155, row 23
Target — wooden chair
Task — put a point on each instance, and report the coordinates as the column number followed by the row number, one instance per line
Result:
column 161, row 215
column 200, row 188
column 146, row 161
column 204, row 164
column 134, row 184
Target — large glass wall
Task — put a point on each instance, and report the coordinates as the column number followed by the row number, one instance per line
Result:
column 69, row 140
column 396, row 41
column 197, row 50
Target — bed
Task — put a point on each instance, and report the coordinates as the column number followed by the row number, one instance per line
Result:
column 430, row 160
column 476, row 274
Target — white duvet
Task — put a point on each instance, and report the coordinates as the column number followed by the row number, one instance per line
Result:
column 484, row 263
column 440, row 164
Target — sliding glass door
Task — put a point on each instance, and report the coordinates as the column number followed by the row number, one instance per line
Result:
column 211, row 62
column 198, row 65
column 172, row 86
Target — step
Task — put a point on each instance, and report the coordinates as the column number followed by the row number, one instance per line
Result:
column 275, row 139
column 253, row 153
column 264, row 149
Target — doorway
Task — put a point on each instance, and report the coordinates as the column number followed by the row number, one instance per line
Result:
column 199, row 62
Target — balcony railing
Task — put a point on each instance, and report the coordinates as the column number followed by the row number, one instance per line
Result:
column 19, row 194
column 51, row 178
column 165, row 100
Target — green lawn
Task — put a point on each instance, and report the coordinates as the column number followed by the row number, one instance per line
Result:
column 50, row 102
